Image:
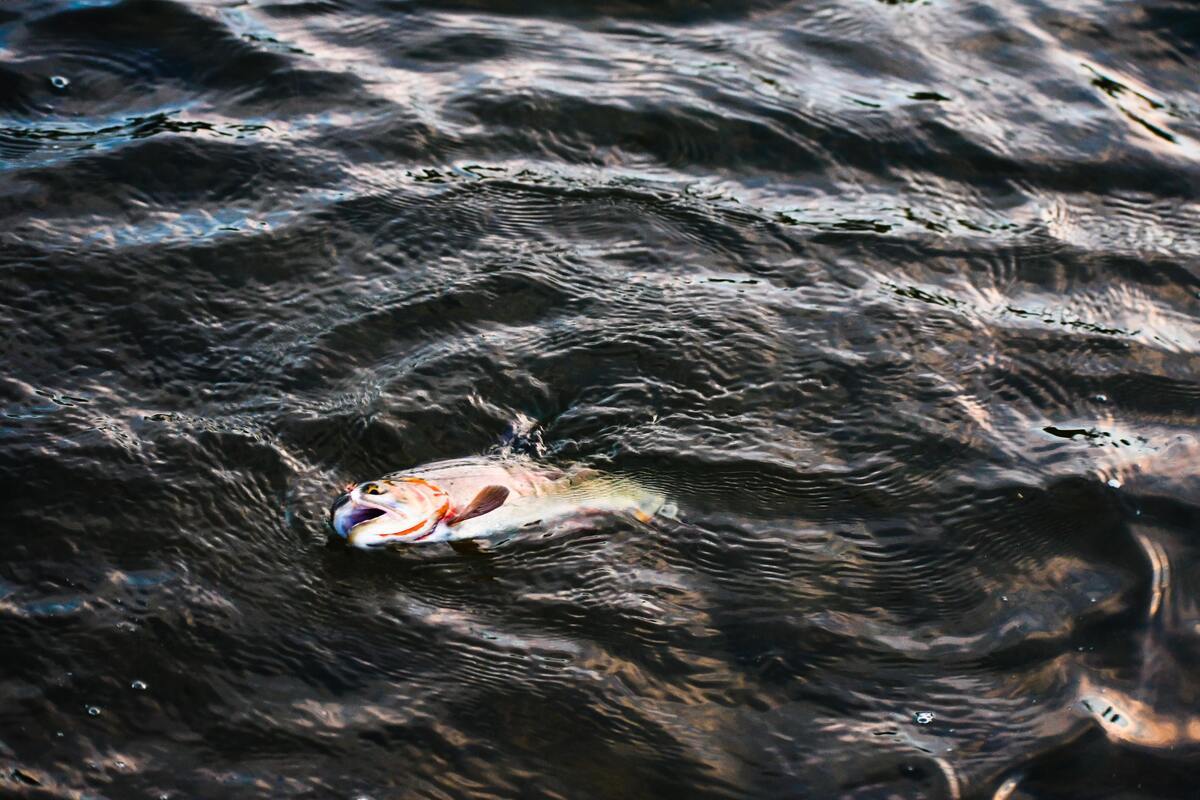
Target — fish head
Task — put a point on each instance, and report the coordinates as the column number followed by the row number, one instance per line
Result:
column 386, row 511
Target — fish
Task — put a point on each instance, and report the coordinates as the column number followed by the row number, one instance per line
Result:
column 479, row 498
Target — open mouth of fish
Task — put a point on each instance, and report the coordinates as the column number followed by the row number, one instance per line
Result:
column 357, row 515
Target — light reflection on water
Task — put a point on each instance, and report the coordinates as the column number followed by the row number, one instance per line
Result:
column 898, row 301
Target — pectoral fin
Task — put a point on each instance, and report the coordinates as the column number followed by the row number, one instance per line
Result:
column 489, row 499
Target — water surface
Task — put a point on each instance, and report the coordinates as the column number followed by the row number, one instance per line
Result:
column 900, row 301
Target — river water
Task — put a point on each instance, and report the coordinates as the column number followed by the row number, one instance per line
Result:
column 900, row 302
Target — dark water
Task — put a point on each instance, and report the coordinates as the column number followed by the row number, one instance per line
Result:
column 900, row 300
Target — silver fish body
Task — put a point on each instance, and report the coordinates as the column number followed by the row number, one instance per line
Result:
column 481, row 497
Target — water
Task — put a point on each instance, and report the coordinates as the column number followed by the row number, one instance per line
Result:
column 900, row 301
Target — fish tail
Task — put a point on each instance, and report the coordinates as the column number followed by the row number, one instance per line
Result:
column 617, row 494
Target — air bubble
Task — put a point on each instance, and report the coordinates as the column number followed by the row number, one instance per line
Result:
column 93, row 711
column 1114, row 483
column 59, row 82
column 923, row 717
column 139, row 685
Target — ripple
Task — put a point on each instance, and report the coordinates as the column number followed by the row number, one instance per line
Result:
column 896, row 302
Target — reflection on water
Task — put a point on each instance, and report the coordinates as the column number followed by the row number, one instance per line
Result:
column 898, row 301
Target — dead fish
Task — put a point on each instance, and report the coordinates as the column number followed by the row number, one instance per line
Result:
column 476, row 498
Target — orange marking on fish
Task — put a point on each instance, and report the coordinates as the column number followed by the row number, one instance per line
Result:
column 416, row 527
column 433, row 519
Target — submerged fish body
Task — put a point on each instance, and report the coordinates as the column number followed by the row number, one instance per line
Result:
column 478, row 498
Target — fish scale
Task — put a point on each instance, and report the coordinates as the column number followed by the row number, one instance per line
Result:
column 480, row 498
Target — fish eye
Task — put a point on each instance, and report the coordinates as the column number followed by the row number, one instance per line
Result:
column 373, row 488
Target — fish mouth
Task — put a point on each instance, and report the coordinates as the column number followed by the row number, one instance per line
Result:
column 362, row 514
column 345, row 514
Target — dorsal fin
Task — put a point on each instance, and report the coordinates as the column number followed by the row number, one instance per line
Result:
column 489, row 499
